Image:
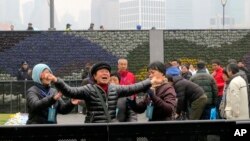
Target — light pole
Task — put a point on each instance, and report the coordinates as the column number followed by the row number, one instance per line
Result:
column 223, row 3
column 51, row 6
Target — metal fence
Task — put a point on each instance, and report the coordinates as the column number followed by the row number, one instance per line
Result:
column 13, row 95
column 193, row 130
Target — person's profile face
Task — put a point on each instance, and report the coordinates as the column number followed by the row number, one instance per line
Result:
column 155, row 73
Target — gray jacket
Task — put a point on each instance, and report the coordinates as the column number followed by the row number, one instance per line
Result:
column 38, row 106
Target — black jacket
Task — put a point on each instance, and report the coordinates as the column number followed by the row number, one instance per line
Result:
column 23, row 74
column 94, row 106
column 39, row 105
column 186, row 92
column 208, row 84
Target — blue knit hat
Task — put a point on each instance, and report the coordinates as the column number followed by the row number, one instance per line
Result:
column 37, row 70
column 173, row 71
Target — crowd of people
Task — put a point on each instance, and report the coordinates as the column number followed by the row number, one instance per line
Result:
column 171, row 92
column 68, row 27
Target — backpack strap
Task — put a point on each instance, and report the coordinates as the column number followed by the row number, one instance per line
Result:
column 103, row 103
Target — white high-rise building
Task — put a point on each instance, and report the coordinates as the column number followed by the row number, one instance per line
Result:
column 146, row 13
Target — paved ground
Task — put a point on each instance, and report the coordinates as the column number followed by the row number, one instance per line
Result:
column 79, row 118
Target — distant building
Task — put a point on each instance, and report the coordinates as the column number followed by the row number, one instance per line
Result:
column 232, row 11
column 247, row 13
column 179, row 14
column 106, row 13
column 9, row 13
column 147, row 13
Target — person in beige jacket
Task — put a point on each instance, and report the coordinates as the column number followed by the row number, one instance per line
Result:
column 236, row 95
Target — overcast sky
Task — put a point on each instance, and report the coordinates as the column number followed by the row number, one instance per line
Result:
column 71, row 7
column 78, row 12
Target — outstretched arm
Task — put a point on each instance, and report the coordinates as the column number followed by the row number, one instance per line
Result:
column 142, row 86
column 72, row 92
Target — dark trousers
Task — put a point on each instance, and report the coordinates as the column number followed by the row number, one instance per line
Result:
column 217, row 105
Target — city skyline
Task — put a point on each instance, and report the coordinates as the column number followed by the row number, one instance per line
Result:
column 180, row 14
column 146, row 14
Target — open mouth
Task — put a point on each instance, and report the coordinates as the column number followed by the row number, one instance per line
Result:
column 104, row 78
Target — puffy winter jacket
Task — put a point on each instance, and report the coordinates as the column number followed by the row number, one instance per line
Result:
column 39, row 105
column 95, row 110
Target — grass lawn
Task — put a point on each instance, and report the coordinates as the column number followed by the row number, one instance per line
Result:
column 4, row 118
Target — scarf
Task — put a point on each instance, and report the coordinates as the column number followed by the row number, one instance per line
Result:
column 44, row 90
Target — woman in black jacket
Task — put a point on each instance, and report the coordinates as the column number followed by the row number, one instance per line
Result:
column 44, row 102
column 100, row 97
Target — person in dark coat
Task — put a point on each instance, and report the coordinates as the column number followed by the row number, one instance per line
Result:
column 191, row 97
column 123, row 111
column 161, row 97
column 208, row 84
column 185, row 73
column 24, row 72
column 100, row 97
column 44, row 102
column 30, row 27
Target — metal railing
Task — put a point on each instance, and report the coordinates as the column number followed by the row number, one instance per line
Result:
column 192, row 130
column 13, row 95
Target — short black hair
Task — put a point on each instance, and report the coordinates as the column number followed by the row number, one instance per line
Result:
column 115, row 74
column 241, row 60
column 177, row 60
column 185, row 65
column 201, row 64
column 170, row 78
column 157, row 65
column 24, row 62
column 216, row 61
column 230, row 61
column 233, row 67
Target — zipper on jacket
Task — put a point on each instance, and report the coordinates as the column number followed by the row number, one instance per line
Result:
column 106, row 98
